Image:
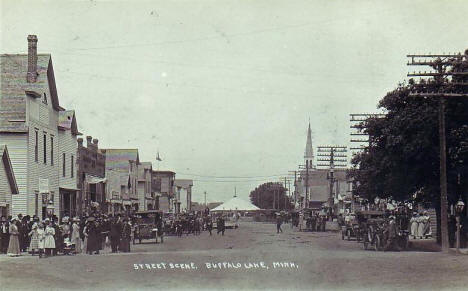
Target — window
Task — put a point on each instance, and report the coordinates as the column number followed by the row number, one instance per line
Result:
column 44, row 99
column 36, row 202
column 45, row 148
column 51, row 150
column 71, row 167
column 36, row 146
column 64, row 164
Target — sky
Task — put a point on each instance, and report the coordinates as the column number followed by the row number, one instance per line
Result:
column 224, row 90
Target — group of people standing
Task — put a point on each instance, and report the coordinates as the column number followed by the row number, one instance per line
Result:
column 49, row 237
column 420, row 225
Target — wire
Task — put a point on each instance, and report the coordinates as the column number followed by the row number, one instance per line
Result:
column 231, row 177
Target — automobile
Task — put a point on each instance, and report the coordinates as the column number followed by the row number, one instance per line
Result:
column 351, row 229
column 146, row 224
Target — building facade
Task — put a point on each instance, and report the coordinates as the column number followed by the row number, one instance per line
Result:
column 8, row 186
column 125, row 162
column 91, row 173
column 163, row 186
column 29, row 116
column 67, row 161
column 144, row 190
column 183, row 195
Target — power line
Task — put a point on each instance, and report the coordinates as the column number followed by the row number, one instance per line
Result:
column 230, row 177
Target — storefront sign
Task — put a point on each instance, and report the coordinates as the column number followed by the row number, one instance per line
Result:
column 43, row 185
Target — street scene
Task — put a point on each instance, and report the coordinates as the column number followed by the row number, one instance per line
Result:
column 186, row 145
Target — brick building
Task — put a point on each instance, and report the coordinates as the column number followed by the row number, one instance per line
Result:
column 91, row 173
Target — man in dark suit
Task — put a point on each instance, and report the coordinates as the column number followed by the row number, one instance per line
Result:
column 220, row 225
column 4, row 235
column 115, row 233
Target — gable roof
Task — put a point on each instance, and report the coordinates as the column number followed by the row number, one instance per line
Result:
column 67, row 121
column 118, row 159
column 14, row 87
column 8, row 168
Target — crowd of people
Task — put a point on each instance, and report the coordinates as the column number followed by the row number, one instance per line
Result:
column 49, row 237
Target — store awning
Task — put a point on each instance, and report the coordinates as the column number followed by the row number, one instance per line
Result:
column 68, row 188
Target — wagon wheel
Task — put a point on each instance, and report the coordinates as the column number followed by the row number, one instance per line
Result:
column 348, row 234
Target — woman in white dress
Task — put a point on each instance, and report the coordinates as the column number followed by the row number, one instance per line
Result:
column 13, row 245
column 75, row 235
column 41, row 238
column 49, row 241
column 422, row 224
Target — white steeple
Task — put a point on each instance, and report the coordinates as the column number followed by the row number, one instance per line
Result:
column 309, row 152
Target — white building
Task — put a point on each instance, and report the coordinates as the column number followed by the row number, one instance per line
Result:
column 29, row 114
column 183, row 195
column 67, row 155
column 8, row 185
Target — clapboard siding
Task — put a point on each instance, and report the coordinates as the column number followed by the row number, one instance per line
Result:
column 69, row 146
column 18, row 152
column 40, row 169
column 5, row 187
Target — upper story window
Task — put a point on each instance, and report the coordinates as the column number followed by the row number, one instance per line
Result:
column 71, row 166
column 44, row 99
column 51, row 150
column 45, row 148
column 36, row 145
column 64, row 164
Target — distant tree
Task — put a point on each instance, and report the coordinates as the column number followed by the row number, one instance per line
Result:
column 267, row 194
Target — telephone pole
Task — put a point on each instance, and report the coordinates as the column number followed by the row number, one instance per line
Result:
column 444, row 82
column 295, row 187
column 336, row 157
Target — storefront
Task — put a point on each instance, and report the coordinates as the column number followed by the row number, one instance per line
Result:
column 67, row 202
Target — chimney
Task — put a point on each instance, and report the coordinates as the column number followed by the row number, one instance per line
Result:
column 95, row 141
column 31, row 77
column 80, row 142
column 88, row 140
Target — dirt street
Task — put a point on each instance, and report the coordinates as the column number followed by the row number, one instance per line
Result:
column 251, row 257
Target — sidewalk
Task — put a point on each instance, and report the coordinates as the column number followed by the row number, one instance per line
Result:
column 424, row 245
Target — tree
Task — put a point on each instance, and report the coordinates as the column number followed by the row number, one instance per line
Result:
column 402, row 160
column 270, row 196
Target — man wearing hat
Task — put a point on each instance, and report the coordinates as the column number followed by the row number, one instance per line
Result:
column 390, row 233
column 4, row 235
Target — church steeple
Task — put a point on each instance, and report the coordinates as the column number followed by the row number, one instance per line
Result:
column 309, row 152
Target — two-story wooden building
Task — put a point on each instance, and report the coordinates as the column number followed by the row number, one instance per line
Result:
column 67, row 161
column 126, row 162
column 29, row 113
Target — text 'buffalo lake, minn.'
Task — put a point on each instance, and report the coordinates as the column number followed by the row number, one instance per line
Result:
column 216, row 266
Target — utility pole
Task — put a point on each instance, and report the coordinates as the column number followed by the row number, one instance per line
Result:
column 295, row 188
column 360, row 139
column 336, row 157
column 441, row 87
column 205, row 199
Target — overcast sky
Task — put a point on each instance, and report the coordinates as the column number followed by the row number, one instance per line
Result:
column 226, row 88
